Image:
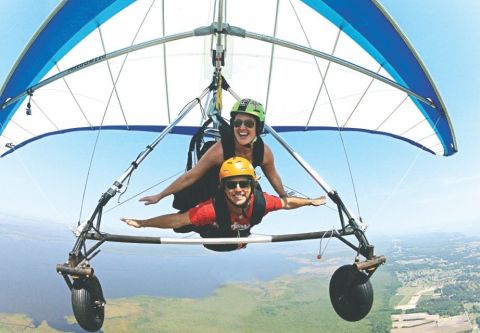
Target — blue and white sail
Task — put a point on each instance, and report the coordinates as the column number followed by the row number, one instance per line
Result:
column 132, row 65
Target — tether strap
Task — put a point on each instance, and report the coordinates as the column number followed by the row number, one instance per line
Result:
column 259, row 205
column 193, row 142
column 258, row 152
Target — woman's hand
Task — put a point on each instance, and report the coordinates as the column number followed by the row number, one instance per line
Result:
column 150, row 200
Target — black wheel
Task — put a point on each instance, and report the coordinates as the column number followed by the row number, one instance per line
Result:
column 351, row 293
column 88, row 303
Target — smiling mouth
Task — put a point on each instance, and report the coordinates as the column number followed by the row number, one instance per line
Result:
column 238, row 197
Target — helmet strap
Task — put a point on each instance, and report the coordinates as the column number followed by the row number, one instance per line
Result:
column 248, row 145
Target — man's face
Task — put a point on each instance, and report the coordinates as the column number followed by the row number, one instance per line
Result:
column 244, row 128
column 238, row 189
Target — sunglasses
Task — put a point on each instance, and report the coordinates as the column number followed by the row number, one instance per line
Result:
column 232, row 184
column 249, row 123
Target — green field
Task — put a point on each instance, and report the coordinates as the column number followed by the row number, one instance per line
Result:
column 10, row 323
column 296, row 303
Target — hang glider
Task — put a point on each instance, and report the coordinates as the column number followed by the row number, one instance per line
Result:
column 132, row 65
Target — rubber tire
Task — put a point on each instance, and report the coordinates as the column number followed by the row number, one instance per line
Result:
column 85, row 293
column 351, row 293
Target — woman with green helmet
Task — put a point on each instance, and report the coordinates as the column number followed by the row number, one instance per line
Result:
column 247, row 121
column 249, row 107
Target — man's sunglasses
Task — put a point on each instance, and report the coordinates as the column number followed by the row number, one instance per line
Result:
column 249, row 123
column 231, row 184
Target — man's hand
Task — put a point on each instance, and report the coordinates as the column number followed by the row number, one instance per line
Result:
column 132, row 222
column 150, row 200
column 319, row 201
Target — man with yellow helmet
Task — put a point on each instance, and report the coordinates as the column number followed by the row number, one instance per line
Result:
column 236, row 208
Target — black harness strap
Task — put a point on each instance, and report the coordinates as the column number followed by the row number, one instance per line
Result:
column 228, row 142
column 259, row 206
column 195, row 143
column 258, row 152
column 205, row 187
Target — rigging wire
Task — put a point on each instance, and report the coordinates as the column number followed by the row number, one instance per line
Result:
column 320, row 251
column 37, row 107
column 106, row 109
column 129, row 177
column 202, row 110
column 397, row 186
column 23, row 128
column 143, row 191
column 114, row 81
column 30, row 176
column 334, row 113
column 212, row 36
column 391, row 113
column 124, row 188
column 300, row 194
column 401, row 181
column 272, row 53
column 74, row 97
column 167, row 95
column 324, row 76
column 361, row 98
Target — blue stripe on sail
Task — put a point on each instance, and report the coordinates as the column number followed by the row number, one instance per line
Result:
column 190, row 130
column 365, row 23
column 71, row 23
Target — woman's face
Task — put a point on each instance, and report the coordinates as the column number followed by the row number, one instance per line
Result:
column 244, row 126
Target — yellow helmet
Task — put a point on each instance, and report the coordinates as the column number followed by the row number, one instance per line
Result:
column 236, row 166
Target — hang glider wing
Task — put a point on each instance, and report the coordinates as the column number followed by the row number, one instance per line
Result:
column 132, row 65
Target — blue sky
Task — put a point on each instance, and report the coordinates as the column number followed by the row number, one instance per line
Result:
column 400, row 189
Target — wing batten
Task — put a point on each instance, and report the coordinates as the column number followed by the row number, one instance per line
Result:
column 303, row 85
column 386, row 43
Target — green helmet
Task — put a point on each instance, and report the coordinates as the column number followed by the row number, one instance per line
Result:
column 251, row 107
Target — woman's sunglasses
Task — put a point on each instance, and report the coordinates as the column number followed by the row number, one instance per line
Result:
column 232, row 184
column 249, row 123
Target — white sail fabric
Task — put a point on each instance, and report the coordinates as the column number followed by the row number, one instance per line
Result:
column 145, row 89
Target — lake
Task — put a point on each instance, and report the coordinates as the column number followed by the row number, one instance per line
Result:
column 29, row 283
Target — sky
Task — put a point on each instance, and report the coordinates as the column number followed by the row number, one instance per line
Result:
column 400, row 189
